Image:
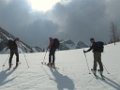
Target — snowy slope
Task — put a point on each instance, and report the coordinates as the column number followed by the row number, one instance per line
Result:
column 72, row 74
column 5, row 36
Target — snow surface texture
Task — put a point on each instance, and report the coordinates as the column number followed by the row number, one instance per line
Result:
column 72, row 72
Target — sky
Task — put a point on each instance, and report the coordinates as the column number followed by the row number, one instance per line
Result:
column 77, row 20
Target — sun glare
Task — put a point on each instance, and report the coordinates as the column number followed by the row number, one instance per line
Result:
column 42, row 5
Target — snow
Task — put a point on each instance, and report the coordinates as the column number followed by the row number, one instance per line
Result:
column 72, row 72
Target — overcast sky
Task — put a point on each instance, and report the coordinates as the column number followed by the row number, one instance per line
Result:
column 74, row 19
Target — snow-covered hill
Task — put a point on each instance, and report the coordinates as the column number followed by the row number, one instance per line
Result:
column 23, row 47
column 80, row 44
column 72, row 72
column 69, row 45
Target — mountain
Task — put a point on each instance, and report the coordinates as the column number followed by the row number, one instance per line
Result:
column 80, row 44
column 23, row 47
column 72, row 72
column 37, row 49
column 69, row 44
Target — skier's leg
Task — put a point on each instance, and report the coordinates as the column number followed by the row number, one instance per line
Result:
column 50, row 55
column 53, row 62
column 100, row 63
column 95, row 62
column 10, row 58
column 17, row 57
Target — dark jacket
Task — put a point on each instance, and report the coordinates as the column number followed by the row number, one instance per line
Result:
column 93, row 48
column 12, row 45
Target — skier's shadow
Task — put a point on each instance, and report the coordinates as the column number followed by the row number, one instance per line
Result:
column 63, row 82
column 3, row 76
column 111, row 83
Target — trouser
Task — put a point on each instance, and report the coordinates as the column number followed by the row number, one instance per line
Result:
column 97, row 59
column 52, row 56
column 12, row 52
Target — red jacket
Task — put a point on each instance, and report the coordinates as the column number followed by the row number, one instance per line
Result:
column 50, row 43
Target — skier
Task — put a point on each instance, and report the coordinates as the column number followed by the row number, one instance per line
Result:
column 97, row 50
column 12, row 45
column 53, row 45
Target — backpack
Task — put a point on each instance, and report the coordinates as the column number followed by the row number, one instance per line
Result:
column 99, row 46
column 56, row 43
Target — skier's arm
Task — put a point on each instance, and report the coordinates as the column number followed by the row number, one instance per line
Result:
column 89, row 49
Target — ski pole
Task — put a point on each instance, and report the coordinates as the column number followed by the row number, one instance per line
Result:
column 44, row 57
column 26, row 60
column 87, row 62
column 24, row 57
column 106, row 69
column 5, row 61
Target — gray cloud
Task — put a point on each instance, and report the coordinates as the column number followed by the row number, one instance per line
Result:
column 83, row 19
column 31, row 27
column 77, row 20
column 38, row 32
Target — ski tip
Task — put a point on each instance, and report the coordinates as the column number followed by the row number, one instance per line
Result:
column 103, row 78
column 8, row 69
column 14, row 68
column 42, row 62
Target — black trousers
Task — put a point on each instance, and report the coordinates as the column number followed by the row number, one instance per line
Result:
column 52, row 55
column 97, row 59
column 12, row 52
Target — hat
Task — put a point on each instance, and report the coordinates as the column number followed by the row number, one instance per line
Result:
column 16, row 39
column 91, row 39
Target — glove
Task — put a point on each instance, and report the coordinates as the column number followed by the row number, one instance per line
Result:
column 84, row 51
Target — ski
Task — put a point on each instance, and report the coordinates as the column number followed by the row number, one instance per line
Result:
column 96, row 76
column 8, row 69
column 14, row 67
column 101, row 74
column 54, row 67
column 94, row 73
column 102, row 77
column 43, row 63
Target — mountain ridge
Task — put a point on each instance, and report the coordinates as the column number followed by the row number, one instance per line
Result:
column 23, row 47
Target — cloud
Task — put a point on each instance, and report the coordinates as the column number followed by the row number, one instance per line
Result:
column 113, row 11
column 32, row 27
column 14, row 15
column 75, row 19
column 82, row 19
column 38, row 32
